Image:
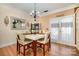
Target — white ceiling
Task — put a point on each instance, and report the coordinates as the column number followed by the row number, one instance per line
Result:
column 28, row 7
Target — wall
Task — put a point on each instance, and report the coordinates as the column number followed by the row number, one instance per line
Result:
column 8, row 36
column 77, row 28
column 45, row 19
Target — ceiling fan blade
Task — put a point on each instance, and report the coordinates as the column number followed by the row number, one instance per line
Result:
column 45, row 11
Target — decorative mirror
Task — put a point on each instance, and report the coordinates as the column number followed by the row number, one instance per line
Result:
column 6, row 20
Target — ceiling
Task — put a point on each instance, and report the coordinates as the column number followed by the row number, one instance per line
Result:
column 28, row 7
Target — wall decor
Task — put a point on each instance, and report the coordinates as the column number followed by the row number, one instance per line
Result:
column 6, row 20
column 18, row 23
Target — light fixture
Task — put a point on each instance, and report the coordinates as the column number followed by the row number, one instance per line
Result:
column 34, row 12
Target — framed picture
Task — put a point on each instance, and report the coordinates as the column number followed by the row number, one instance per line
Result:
column 18, row 23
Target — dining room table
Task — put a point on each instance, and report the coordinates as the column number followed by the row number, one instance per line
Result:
column 34, row 37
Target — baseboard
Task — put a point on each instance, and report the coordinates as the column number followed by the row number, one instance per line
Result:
column 7, row 44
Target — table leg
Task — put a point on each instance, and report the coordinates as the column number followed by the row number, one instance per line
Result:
column 34, row 47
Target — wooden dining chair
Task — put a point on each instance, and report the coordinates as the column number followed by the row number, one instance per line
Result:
column 44, row 42
column 22, row 42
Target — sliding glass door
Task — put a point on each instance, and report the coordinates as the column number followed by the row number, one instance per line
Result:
column 61, row 29
column 54, row 29
column 67, row 30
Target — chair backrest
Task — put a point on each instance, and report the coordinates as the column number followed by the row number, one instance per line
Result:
column 17, row 37
column 43, row 31
column 21, row 37
column 46, row 38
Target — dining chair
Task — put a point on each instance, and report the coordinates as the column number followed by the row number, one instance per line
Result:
column 43, row 31
column 22, row 42
column 44, row 42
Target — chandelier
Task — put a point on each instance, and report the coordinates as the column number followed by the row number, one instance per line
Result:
column 35, row 13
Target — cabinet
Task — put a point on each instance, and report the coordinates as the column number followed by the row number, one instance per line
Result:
column 35, row 28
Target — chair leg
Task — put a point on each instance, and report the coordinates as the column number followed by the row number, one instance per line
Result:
column 48, row 46
column 18, row 48
column 24, row 50
column 43, row 50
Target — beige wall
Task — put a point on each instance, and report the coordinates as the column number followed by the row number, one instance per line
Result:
column 77, row 28
column 8, row 36
column 45, row 19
